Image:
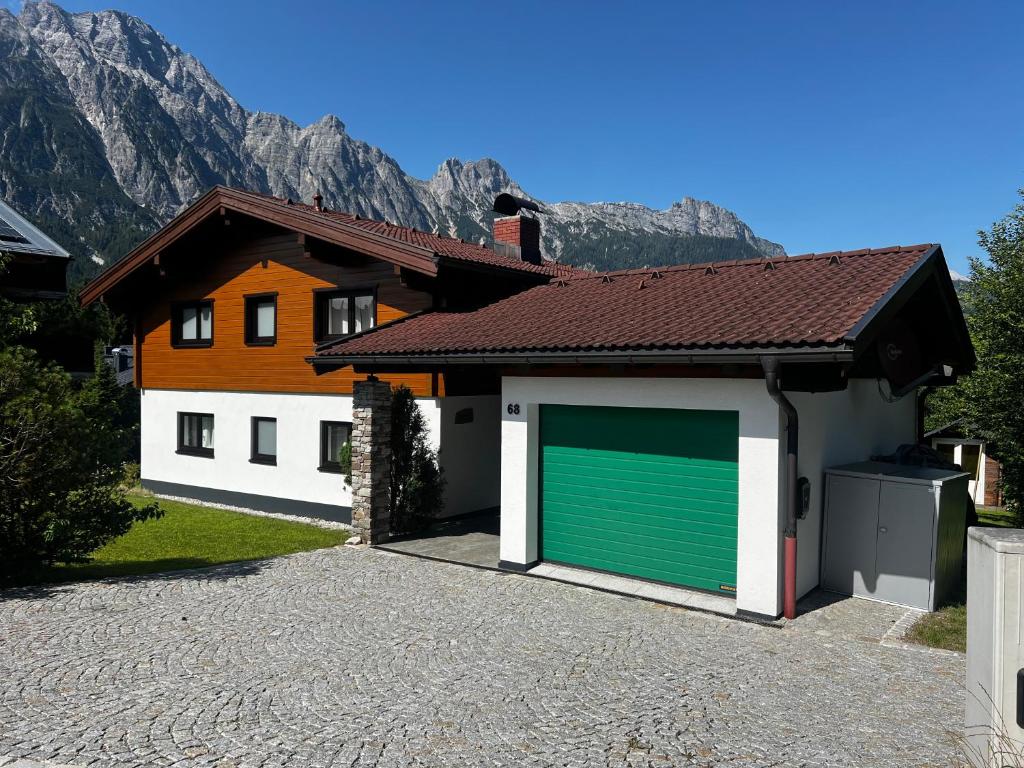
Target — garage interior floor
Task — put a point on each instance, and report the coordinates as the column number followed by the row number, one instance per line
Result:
column 468, row 540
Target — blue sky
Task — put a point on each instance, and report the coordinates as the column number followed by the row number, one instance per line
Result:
column 822, row 125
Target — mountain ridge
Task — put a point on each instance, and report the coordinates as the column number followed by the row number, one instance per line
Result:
column 141, row 115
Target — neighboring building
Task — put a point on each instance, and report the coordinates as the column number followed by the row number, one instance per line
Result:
column 633, row 422
column 956, row 444
column 38, row 265
column 122, row 360
column 229, row 299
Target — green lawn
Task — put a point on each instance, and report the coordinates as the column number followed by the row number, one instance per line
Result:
column 947, row 627
column 189, row 536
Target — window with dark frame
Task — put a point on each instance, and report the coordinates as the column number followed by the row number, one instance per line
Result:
column 261, row 319
column 195, row 434
column 344, row 312
column 264, row 440
column 192, row 323
column 333, row 435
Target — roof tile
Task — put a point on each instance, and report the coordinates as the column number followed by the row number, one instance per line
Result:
column 804, row 300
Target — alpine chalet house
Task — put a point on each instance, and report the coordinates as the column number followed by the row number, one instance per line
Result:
column 672, row 425
column 228, row 300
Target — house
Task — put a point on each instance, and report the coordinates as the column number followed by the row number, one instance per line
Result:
column 228, row 300
column 666, row 424
column 959, row 444
column 674, row 424
column 38, row 266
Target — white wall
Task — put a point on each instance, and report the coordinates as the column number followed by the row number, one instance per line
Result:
column 839, row 428
column 759, row 562
column 471, row 454
column 298, row 442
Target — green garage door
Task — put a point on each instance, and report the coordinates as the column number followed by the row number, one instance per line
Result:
column 649, row 492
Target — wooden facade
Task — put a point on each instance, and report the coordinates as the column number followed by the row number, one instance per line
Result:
column 260, row 260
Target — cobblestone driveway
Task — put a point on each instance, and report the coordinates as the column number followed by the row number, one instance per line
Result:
column 343, row 657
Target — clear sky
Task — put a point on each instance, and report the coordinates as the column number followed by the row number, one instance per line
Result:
column 823, row 125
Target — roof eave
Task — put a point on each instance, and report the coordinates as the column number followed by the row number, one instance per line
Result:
column 808, row 354
column 861, row 335
column 308, row 222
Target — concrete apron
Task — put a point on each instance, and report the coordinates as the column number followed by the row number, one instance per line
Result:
column 474, row 541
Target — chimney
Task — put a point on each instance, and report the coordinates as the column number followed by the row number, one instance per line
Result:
column 318, row 202
column 519, row 237
column 515, row 234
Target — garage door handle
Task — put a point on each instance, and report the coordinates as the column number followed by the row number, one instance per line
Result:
column 883, row 529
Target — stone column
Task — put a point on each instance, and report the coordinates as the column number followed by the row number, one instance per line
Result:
column 371, row 459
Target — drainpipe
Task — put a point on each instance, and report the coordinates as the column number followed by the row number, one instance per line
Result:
column 771, row 378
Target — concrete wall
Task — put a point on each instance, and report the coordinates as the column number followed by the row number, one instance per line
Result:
column 838, row 428
column 471, row 454
column 295, row 477
column 759, row 565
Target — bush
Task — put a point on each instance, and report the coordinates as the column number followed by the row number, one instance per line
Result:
column 62, row 455
column 417, row 484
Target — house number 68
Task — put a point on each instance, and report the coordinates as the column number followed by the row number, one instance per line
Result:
column 513, row 409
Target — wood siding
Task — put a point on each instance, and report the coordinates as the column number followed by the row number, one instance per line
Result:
column 269, row 262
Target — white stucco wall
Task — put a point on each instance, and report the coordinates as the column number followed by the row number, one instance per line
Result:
column 759, row 562
column 471, row 454
column 298, row 442
column 838, row 428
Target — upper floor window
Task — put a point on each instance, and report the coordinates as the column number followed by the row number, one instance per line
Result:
column 261, row 319
column 192, row 324
column 264, row 440
column 341, row 313
column 195, row 433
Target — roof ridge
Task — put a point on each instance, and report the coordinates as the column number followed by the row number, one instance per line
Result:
column 756, row 261
column 354, row 219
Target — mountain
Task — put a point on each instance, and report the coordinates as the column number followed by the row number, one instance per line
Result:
column 107, row 130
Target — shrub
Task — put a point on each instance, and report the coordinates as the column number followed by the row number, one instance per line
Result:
column 417, row 484
column 62, row 455
column 345, row 460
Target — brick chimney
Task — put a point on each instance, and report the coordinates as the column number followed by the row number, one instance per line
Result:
column 519, row 237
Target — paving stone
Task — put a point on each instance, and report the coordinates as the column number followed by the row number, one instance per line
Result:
column 349, row 656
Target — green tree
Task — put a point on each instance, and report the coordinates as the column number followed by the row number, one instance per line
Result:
column 61, row 467
column 990, row 399
column 63, row 447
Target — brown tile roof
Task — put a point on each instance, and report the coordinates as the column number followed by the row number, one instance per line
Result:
column 403, row 246
column 815, row 299
column 445, row 247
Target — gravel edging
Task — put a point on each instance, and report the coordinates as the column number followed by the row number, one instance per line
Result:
column 328, row 524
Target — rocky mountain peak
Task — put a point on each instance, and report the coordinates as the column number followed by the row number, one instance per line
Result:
column 164, row 130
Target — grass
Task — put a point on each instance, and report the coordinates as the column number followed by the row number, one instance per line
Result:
column 189, row 536
column 947, row 627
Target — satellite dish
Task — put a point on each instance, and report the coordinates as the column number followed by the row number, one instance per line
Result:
column 899, row 354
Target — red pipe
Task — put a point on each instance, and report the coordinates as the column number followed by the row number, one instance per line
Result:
column 771, row 379
column 789, row 587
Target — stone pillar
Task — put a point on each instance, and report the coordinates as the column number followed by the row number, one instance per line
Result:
column 371, row 459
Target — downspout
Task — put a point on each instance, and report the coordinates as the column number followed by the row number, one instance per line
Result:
column 771, row 378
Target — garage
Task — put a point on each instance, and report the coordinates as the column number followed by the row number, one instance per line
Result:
column 647, row 492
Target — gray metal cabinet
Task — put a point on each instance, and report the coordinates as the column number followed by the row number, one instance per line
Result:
column 894, row 533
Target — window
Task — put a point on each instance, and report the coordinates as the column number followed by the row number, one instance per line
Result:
column 195, row 434
column 261, row 319
column 340, row 313
column 333, row 435
column 192, row 324
column 264, row 440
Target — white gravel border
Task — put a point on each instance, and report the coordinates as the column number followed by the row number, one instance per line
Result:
column 328, row 524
